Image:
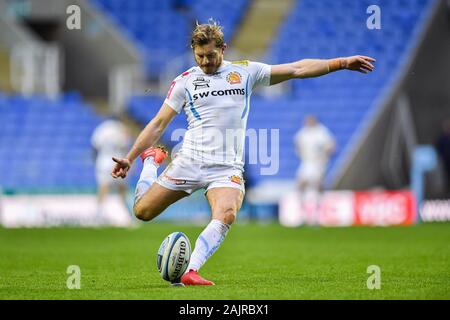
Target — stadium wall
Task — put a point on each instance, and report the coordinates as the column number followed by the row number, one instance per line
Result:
column 91, row 52
column 366, row 166
column 429, row 92
column 11, row 32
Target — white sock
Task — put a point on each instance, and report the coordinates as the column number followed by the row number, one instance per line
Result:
column 207, row 243
column 148, row 176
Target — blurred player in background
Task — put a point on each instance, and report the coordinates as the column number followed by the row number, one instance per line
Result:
column 110, row 138
column 314, row 144
column 215, row 97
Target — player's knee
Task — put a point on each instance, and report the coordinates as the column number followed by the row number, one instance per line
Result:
column 226, row 214
column 144, row 213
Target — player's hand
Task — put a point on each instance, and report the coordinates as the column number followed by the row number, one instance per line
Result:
column 359, row 63
column 121, row 168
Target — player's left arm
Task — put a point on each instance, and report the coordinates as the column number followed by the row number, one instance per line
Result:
column 330, row 143
column 309, row 68
column 94, row 153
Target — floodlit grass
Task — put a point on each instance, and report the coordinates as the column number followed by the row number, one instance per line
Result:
column 254, row 262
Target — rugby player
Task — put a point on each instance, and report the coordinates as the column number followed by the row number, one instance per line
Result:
column 215, row 97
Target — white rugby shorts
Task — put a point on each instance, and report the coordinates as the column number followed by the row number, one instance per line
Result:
column 311, row 172
column 189, row 175
column 103, row 174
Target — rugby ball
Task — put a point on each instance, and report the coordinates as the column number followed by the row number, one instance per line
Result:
column 173, row 256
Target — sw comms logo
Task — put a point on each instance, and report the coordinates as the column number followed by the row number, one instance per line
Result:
column 215, row 93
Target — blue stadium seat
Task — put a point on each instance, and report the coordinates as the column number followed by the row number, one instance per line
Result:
column 163, row 32
column 339, row 99
column 322, row 29
column 46, row 143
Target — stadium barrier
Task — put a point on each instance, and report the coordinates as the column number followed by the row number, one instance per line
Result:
column 59, row 210
column 348, row 208
column 435, row 211
column 333, row 208
column 53, row 210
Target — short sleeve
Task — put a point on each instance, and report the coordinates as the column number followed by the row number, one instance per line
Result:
column 175, row 96
column 260, row 73
column 327, row 136
column 298, row 138
column 96, row 139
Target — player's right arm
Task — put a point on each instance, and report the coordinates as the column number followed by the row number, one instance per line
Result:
column 147, row 138
column 172, row 106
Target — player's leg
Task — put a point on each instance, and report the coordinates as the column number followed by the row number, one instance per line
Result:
column 102, row 176
column 302, row 185
column 177, row 181
column 155, row 200
column 152, row 198
column 225, row 202
column 104, row 180
column 308, row 194
column 102, row 192
column 123, row 189
column 151, row 160
column 317, row 175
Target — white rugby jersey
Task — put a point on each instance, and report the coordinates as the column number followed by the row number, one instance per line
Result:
column 111, row 139
column 313, row 144
column 217, row 107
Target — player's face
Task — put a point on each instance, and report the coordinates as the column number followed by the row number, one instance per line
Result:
column 208, row 57
column 310, row 121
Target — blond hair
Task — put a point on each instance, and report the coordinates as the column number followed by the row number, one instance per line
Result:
column 207, row 33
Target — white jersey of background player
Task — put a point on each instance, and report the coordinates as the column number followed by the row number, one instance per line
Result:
column 219, row 170
column 314, row 144
column 109, row 138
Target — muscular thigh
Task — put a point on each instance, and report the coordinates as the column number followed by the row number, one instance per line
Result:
column 224, row 201
column 157, row 199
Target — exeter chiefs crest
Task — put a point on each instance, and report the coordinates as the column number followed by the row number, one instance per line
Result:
column 234, row 77
column 236, row 179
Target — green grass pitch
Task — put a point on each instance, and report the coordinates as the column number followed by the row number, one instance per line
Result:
column 255, row 262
